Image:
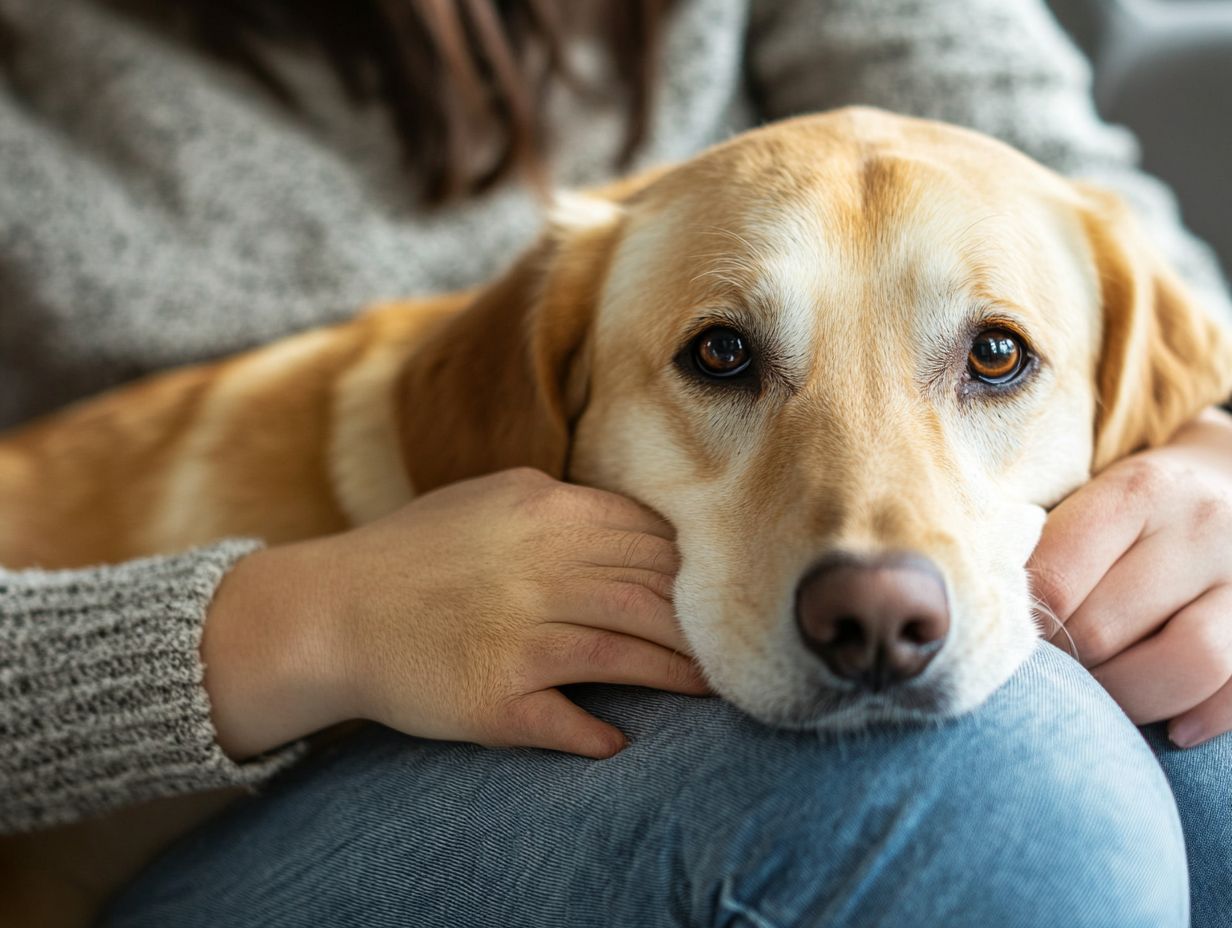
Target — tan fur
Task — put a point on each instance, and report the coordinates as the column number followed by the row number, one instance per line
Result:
column 857, row 249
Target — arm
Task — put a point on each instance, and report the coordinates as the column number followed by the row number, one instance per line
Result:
column 101, row 703
column 456, row 617
column 1003, row 67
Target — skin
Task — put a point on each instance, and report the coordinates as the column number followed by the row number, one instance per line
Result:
column 523, row 584
column 1135, row 565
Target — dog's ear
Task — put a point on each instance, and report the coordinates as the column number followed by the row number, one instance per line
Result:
column 1162, row 357
column 500, row 383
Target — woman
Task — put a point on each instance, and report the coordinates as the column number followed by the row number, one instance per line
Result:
column 187, row 180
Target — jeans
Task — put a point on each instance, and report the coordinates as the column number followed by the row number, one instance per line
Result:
column 1045, row 807
column 1201, row 780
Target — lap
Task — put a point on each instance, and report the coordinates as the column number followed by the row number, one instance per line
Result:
column 1043, row 807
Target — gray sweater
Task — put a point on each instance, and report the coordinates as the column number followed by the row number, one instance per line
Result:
column 158, row 208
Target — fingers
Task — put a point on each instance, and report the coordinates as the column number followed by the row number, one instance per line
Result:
column 1204, row 721
column 620, row 548
column 659, row 583
column 1132, row 600
column 545, row 718
column 1186, row 663
column 574, row 654
column 547, row 498
column 625, row 551
column 623, row 514
column 1070, row 558
column 622, row 607
column 548, row 719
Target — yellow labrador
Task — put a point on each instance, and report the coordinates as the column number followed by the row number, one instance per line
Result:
column 852, row 357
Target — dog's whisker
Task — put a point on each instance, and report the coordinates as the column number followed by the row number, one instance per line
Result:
column 1045, row 610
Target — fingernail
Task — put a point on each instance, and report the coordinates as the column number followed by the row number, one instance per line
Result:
column 1185, row 734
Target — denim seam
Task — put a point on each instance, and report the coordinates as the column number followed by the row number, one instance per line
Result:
column 730, row 903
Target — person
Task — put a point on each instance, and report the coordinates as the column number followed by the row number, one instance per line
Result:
column 181, row 181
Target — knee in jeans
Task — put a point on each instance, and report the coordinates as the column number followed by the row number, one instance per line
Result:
column 1019, row 815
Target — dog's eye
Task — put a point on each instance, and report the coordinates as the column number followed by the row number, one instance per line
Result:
column 997, row 356
column 721, row 352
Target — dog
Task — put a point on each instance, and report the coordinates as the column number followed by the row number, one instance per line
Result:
column 852, row 357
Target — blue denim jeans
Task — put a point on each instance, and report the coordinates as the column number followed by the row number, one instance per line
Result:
column 1043, row 808
column 1201, row 780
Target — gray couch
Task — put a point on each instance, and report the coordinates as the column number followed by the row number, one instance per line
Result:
column 1164, row 68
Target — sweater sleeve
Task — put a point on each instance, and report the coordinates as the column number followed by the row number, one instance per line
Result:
column 101, row 702
column 1003, row 67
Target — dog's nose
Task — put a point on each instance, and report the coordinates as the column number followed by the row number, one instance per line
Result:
column 876, row 622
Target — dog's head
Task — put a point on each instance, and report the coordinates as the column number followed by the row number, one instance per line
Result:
column 853, row 358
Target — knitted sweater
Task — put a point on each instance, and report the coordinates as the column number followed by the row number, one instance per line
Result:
column 158, row 208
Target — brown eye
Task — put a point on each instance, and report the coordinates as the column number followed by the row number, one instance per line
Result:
column 721, row 352
column 997, row 356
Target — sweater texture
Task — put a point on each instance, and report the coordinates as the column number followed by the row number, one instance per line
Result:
column 158, row 207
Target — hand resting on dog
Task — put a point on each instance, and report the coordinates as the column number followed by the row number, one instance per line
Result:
column 456, row 617
column 1135, row 565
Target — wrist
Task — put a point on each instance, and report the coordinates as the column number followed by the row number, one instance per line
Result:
column 268, row 651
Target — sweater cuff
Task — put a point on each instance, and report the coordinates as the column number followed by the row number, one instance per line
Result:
column 101, row 695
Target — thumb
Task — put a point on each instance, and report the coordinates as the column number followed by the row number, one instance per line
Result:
column 548, row 719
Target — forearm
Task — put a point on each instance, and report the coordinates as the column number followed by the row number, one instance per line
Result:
column 272, row 668
column 101, row 703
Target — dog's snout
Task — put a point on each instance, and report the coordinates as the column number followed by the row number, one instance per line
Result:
column 877, row 623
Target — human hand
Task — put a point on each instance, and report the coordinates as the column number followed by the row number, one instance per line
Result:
column 1137, row 566
column 454, row 618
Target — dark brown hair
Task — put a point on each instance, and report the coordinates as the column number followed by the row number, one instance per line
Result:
column 464, row 81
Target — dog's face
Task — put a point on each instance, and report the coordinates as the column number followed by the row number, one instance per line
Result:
column 819, row 345
column 853, row 358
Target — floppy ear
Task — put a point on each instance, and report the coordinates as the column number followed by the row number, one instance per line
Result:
column 500, row 383
column 1163, row 358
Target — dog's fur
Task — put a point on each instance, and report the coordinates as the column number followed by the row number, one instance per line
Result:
column 859, row 252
